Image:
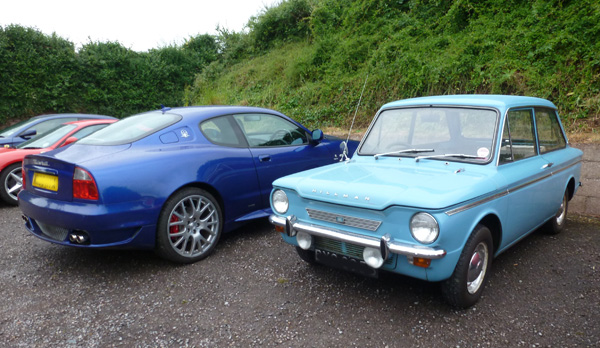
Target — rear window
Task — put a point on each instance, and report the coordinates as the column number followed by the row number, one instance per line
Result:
column 131, row 129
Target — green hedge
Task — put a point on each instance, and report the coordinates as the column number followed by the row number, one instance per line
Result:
column 45, row 74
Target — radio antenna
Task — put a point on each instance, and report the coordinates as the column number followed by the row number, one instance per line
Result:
column 357, row 105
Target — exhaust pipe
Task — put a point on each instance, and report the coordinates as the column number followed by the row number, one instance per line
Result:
column 78, row 238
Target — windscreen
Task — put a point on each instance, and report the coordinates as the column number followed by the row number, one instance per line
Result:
column 435, row 132
column 47, row 139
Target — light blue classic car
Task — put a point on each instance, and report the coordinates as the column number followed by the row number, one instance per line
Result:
column 438, row 187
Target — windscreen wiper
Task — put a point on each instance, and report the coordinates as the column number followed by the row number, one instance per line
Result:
column 456, row 155
column 402, row 151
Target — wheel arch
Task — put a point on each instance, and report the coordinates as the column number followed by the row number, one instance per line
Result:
column 208, row 188
column 19, row 161
column 571, row 187
column 492, row 222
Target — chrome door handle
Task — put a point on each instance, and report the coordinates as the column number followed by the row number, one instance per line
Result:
column 547, row 165
column 264, row 158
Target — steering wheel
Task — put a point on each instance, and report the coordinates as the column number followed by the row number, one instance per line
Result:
column 280, row 135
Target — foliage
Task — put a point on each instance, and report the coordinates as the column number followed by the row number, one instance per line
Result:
column 409, row 48
column 283, row 23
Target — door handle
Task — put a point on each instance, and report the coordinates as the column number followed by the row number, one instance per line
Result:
column 547, row 165
column 264, row 158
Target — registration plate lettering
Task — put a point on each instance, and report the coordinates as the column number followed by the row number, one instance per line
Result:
column 45, row 181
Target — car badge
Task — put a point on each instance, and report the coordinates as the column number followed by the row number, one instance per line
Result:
column 340, row 220
column 184, row 133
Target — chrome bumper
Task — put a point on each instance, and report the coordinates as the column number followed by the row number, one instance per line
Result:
column 385, row 243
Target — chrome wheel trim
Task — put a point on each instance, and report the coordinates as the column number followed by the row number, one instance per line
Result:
column 193, row 226
column 477, row 268
column 561, row 214
column 13, row 183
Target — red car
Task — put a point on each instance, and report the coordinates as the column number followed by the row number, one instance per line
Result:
column 11, row 158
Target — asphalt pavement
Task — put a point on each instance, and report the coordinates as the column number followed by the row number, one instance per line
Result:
column 254, row 291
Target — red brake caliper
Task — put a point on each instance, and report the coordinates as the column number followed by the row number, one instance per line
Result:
column 173, row 229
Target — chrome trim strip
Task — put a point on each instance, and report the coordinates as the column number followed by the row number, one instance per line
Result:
column 365, row 241
column 508, row 191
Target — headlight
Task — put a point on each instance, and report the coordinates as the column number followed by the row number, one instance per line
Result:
column 280, row 201
column 424, row 228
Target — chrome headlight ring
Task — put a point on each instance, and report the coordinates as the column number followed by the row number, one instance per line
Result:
column 280, row 201
column 424, row 228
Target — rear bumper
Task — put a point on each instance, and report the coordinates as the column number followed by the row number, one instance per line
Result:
column 126, row 225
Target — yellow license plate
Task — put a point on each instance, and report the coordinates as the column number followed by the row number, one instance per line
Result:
column 45, row 181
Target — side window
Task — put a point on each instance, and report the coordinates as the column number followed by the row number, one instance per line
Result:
column 550, row 134
column 518, row 137
column 220, row 131
column 270, row 130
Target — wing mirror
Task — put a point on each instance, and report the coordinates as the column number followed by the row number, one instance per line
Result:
column 28, row 134
column 317, row 135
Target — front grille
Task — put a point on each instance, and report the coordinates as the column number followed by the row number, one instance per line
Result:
column 54, row 232
column 365, row 224
column 343, row 248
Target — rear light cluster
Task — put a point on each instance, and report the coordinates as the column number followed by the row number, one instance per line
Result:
column 84, row 186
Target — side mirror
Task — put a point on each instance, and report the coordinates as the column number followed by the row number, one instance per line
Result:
column 28, row 134
column 317, row 135
column 69, row 141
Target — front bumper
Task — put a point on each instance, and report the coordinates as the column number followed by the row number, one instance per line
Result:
column 386, row 244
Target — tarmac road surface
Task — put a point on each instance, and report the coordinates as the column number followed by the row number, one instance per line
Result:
column 254, row 291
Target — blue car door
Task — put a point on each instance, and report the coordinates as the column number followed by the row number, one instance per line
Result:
column 526, row 175
column 279, row 147
column 553, row 149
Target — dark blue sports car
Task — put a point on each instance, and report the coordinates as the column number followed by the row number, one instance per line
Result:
column 173, row 179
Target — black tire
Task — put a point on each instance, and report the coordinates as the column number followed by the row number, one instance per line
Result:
column 558, row 221
column 306, row 255
column 11, row 183
column 463, row 289
column 189, row 226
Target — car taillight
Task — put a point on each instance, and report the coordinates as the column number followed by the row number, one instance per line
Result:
column 84, row 186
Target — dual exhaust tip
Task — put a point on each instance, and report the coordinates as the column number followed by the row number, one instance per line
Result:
column 78, row 238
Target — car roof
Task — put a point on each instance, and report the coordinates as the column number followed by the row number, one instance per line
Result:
column 84, row 123
column 217, row 110
column 51, row 116
column 501, row 102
